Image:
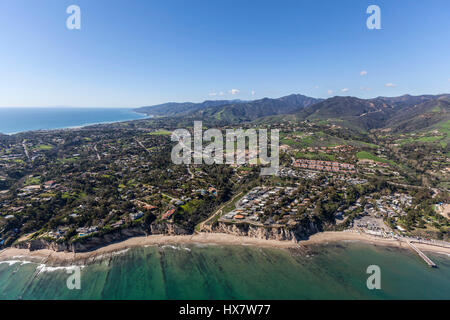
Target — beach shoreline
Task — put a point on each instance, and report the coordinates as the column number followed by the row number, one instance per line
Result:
column 63, row 258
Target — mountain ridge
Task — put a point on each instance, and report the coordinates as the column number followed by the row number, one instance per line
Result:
column 178, row 108
column 402, row 113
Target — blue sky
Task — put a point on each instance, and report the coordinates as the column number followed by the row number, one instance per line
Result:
column 135, row 52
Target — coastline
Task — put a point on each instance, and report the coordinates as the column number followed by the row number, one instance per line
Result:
column 82, row 125
column 53, row 257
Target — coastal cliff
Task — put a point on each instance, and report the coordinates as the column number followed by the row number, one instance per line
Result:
column 295, row 234
column 97, row 241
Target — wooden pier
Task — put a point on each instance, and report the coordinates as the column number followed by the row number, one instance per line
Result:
column 422, row 255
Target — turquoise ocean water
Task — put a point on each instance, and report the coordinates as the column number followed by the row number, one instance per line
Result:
column 13, row 120
column 237, row 272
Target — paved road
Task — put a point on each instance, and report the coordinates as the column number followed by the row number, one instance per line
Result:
column 96, row 151
column 190, row 172
column 142, row 145
column 26, row 149
column 201, row 226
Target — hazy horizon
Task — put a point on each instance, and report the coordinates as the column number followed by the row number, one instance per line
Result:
column 186, row 101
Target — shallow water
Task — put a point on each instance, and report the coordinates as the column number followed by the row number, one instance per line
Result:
column 332, row 271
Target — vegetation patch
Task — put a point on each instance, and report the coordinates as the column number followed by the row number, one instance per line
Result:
column 32, row 181
column 160, row 133
column 43, row 147
column 367, row 155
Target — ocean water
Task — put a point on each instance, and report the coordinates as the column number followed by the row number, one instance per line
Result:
column 236, row 272
column 13, row 120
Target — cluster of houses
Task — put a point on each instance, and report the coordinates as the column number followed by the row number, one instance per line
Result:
column 253, row 203
column 376, row 209
column 85, row 231
column 58, row 233
column 335, row 149
column 330, row 166
column 443, row 209
column 292, row 173
column 392, row 205
column 38, row 192
column 373, row 163
column 11, row 156
column 27, row 190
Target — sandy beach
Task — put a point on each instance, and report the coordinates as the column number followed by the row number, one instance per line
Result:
column 206, row 239
column 324, row 237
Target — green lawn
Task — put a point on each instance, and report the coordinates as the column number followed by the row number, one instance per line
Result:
column 436, row 109
column 444, row 126
column 426, row 139
column 290, row 142
column 367, row 155
column 47, row 195
column 43, row 147
column 69, row 160
column 367, row 144
column 32, row 181
column 430, row 139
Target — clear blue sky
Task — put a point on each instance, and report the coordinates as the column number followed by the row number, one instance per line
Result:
column 140, row 52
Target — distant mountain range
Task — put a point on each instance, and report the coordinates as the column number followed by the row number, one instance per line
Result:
column 404, row 113
column 232, row 110
column 248, row 111
column 421, row 115
column 175, row 109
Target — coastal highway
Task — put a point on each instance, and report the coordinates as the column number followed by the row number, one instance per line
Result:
column 201, row 225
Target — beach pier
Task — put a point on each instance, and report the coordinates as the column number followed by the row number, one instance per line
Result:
column 422, row 255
